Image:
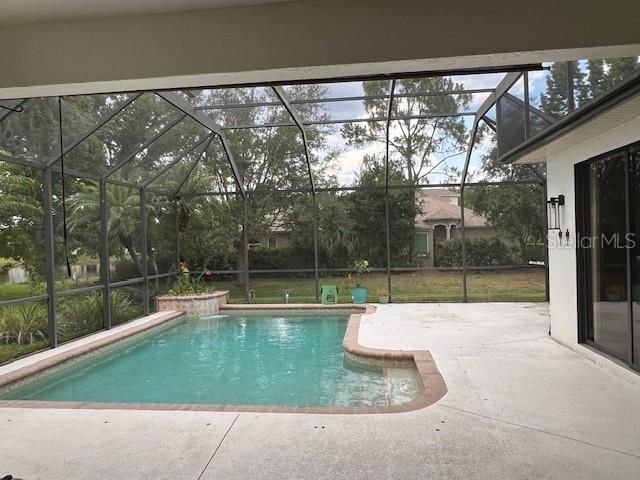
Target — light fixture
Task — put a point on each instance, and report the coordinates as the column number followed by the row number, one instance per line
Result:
column 553, row 212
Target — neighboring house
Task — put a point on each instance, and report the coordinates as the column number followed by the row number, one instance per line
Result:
column 278, row 236
column 439, row 219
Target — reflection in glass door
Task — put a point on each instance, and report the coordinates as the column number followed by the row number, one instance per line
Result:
column 634, row 210
column 608, row 325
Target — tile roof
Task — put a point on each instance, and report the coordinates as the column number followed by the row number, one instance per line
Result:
column 442, row 204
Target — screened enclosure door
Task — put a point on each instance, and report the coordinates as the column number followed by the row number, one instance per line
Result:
column 608, row 193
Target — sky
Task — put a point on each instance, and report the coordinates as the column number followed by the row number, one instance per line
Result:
column 348, row 163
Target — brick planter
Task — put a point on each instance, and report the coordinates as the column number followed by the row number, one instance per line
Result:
column 201, row 304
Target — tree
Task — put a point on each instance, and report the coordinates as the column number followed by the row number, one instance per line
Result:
column 416, row 144
column 620, row 69
column 123, row 220
column 367, row 209
column 268, row 159
column 555, row 99
column 516, row 210
column 21, row 217
column 591, row 78
column 597, row 77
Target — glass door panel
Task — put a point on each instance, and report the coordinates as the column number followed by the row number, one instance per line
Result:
column 610, row 308
column 634, row 242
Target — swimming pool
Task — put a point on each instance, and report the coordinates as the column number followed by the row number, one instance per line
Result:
column 288, row 359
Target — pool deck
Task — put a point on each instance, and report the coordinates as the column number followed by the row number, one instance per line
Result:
column 519, row 405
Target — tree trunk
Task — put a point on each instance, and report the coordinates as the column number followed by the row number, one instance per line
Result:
column 523, row 250
column 127, row 243
column 240, row 266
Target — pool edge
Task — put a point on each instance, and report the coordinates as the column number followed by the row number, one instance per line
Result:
column 434, row 386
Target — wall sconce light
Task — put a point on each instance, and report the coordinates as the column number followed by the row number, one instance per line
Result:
column 553, row 212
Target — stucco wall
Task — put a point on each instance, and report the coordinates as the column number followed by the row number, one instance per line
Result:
column 302, row 39
column 562, row 260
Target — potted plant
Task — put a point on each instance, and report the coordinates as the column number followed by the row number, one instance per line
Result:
column 358, row 292
column 383, row 295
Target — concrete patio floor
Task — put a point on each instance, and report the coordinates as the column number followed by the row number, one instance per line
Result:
column 520, row 406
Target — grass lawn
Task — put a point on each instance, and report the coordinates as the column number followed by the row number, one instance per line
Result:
column 11, row 291
column 492, row 286
column 7, row 352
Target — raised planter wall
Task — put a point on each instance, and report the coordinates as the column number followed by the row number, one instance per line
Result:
column 203, row 304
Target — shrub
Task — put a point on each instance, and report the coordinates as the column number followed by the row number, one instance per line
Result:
column 261, row 258
column 480, row 252
column 84, row 314
column 79, row 315
column 189, row 286
column 23, row 324
column 124, row 306
column 125, row 268
column 535, row 253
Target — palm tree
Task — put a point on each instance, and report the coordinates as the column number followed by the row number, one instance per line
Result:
column 21, row 216
column 123, row 219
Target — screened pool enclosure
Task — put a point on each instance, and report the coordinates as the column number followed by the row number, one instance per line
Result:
column 265, row 188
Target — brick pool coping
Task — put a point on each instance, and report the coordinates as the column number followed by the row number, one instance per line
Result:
column 434, row 386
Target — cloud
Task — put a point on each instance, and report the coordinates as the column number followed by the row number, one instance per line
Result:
column 348, row 163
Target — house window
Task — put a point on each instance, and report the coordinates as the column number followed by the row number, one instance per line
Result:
column 422, row 244
column 92, row 269
column 272, row 242
column 439, row 232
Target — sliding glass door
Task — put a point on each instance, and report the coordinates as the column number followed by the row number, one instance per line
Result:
column 608, row 214
column 634, row 224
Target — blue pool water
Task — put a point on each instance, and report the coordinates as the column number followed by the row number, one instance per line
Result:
column 246, row 359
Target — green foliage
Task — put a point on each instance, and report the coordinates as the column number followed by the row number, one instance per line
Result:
column 591, row 78
column 124, row 268
column 23, row 324
column 367, row 210
column 7, row 264
column 21, row 227
column 535, row 253
column 554, row 100
column 360, row 267
column 189, row 286
column 124, row 306
column 80, row 315
column 294, row 256
column 480, row 252
column 415, row 145
column 516, row 210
